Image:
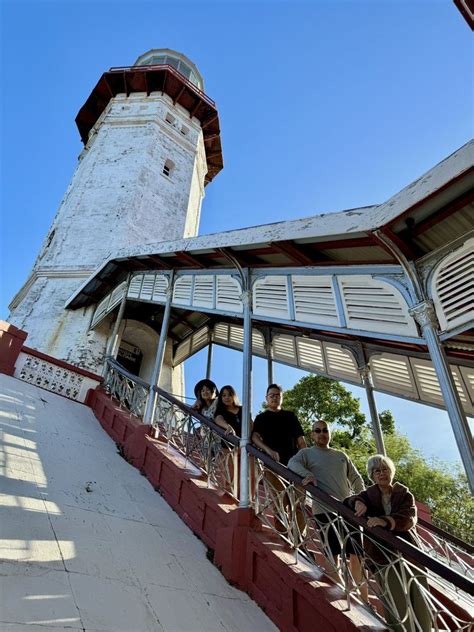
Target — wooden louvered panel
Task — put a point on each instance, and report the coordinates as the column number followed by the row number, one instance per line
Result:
column 393, row 373
column 270, row 297
column 203, row 294
column 310, row 355
column 258, row 343
column 228, row 294
column 374, row 305
column 182, row 352
column 453, row 288
column 314, row 300
column 221, row 333
column 340, row 362
column 101, row 311
column 284, row 349
column 182, row 290
column 116, row 296
column 200, row 339
column 146, row 292
column 236, row 336
column 135, row 286
column 160, row 287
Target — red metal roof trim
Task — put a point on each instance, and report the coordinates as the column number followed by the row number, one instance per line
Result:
column 162, row 78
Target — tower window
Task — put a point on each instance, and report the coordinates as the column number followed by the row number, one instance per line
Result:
column 168, row 168
column 184, row 130
column 170, row 118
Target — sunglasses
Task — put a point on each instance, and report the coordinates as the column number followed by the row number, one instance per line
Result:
column 319, row 430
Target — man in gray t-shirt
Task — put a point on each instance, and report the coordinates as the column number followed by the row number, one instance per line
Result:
column 333, row 472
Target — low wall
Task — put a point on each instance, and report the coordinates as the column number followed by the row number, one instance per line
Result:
column 11, row 342
column 250, row 557
column 54, row 375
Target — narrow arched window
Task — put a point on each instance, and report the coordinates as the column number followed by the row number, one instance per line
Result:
column 168, row 168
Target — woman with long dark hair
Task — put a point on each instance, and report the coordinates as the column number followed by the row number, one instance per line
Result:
column 229, row 411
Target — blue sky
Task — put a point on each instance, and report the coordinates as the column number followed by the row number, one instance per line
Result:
column 323, row 106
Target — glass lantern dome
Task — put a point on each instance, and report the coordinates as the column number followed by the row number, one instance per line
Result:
column 159, row 56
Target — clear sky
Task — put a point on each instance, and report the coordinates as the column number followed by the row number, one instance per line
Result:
column 323, row 106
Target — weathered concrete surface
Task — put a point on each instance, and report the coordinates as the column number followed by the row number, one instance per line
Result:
column 118, row 198
column 86, row 544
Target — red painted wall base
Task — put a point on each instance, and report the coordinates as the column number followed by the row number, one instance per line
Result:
column 11, row 342
column 250, row 557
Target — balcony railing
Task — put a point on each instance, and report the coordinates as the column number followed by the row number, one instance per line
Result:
column 173, row 71
column 413, row 588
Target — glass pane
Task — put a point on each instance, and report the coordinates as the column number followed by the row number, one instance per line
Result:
column 184, row 70
column 172, row 62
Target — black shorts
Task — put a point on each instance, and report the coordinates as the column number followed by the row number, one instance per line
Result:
column 332, row 533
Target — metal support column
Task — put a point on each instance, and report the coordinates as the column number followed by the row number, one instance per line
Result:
column 269, row 352
column 426, row 317
column 374, row 415
column 244, row 500
column 160, row 354
column 112, row 347
column 209, row 356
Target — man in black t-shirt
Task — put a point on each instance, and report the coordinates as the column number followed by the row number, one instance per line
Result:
column 279, row 433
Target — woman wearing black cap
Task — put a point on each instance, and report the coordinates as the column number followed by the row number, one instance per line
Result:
column 206, row 393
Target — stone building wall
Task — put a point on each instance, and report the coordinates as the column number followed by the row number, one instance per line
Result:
column 119, row 197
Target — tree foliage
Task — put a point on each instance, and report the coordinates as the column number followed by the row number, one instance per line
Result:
column 443, row 488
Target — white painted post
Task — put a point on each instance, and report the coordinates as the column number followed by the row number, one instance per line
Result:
column 425, row 316
column 113, row 343
column 244, row 500
column 269, row 352
column 209, row 357
column 374, row 415
column 160, row 354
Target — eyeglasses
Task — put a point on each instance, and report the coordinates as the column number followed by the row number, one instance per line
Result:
column 274, row 395
column 319, row 430
column 381, row 470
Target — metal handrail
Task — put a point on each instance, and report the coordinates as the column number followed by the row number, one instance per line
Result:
column 408, row 550
column 216, row 454
column 190, row 84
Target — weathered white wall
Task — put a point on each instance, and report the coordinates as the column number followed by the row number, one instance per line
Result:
column 118, row 198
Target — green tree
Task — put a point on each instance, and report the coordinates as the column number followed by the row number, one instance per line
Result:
column 445, row 490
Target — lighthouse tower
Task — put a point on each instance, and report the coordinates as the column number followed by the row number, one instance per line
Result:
column 151, row 144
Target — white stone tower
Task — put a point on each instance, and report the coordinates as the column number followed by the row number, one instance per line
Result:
column 151, row 144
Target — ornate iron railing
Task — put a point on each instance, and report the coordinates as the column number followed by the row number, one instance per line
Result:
column 410, row 588
column 200, row 440
column 130, row 391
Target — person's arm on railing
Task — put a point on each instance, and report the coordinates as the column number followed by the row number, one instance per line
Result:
column 358, row 503
column 298, row 464
column 258, row 441
column 220, row 421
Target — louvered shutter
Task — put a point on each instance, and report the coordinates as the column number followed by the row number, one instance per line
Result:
column 453, row 288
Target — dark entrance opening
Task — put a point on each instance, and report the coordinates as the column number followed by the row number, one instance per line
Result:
column 130, row 357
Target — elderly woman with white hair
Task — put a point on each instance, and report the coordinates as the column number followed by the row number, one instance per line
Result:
column 391, row 505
